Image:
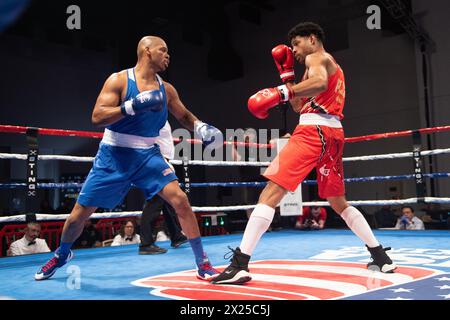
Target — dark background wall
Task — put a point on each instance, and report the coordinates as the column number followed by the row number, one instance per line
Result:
column 220, row 55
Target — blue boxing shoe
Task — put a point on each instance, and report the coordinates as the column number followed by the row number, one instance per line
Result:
column 52, row 265
column 205, row 270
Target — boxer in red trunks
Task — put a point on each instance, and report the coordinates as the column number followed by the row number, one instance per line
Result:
column 317, row 142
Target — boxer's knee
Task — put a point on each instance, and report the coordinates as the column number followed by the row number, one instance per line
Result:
column 79, row 215
column 272, row 194
column 180, row 203
column 338, row 204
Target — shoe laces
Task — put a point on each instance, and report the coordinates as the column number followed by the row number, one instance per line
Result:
column 229, row 255
column 50, row 264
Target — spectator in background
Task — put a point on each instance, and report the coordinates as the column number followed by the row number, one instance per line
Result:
column 45, row 207
column 90, row 237
column 408, row 221
column 127, row 235
column 433, row 213
column 30, row 242
column 17, row 206
column 313, row 218
column 385, row 217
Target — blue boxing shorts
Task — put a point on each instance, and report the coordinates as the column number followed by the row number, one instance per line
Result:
column 116, row 169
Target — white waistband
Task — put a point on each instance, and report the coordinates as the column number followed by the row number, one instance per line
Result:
column 127, row 140
column 320, row 119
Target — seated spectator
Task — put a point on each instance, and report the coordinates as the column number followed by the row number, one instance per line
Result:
column 313, row 218
column 89, row 238
column 435, row 215
column 408, row 221
column 385, row 217
column 46, row 207
column 127, row 235
column 30, row 242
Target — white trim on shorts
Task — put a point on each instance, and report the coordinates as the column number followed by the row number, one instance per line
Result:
column 127, row 140
column 320, row 119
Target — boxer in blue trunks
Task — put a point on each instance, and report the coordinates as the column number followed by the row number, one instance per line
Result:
column 133, row 106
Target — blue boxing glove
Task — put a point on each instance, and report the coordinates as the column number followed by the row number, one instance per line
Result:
column 144, row 101
column 211, row 136
column 404, row 220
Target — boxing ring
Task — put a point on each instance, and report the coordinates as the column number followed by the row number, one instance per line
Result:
column 286, row 265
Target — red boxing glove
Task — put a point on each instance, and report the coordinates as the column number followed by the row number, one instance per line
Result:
column 284, row 60
column 260, row 103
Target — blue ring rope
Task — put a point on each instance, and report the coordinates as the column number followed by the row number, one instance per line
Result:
column 72, row 185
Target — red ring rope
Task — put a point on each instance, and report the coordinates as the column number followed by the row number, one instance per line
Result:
column 397, row 134
column 91, row 134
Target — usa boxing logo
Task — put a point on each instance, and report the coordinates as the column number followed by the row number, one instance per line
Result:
column 324, row 171
column 286, row 280
column 265, row 93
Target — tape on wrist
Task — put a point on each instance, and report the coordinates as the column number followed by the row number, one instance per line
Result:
column 284, row 91
column 128, row 106
column 197, row 125
column 287, row 74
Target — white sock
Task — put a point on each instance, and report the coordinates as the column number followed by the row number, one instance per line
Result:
column 358, row 224
column 257, row 225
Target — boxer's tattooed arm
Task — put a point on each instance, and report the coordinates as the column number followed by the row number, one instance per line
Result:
column 178, row 109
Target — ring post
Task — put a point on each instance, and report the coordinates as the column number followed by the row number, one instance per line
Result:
column 418, row 167
column 187, row 184
column 32, row 158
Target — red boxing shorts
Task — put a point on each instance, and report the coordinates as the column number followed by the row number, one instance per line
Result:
column 311, row 146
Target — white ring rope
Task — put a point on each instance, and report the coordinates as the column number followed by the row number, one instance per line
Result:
column 105, row 215
column 231, row 163
column 396, row 155
column 222, row 163
column 17, row 156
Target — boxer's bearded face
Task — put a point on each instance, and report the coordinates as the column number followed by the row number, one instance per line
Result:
column 301, row 47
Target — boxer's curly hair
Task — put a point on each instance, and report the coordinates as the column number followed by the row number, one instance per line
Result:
column 305, row 29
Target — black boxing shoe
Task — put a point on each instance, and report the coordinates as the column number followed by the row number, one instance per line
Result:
column 237, row 272
column 179, row 241
column 151, row 249
column 380, row 260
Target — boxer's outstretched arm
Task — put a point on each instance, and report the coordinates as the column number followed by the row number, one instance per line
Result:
column 107, row 107
column 177, row 108
column 317, row 81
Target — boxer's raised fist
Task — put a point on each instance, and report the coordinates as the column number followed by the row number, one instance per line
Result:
column 284, row 60
column 211, row 136
column 145, row 101
column 260, row 103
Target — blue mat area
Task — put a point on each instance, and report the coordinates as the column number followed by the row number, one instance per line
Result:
column 107, row 273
